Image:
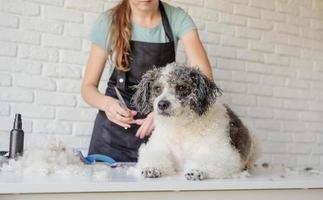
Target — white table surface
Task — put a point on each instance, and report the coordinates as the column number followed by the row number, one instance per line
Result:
column 119, row 181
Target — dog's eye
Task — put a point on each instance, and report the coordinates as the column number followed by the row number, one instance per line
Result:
column 157, row 89
column 182, row 90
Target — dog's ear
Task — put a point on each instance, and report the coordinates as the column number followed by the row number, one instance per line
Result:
column 206, row 92
column 142, row 97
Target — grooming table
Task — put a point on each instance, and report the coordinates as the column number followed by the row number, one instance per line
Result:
column 263, row 183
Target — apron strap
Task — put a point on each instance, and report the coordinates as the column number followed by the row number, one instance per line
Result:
column 121, row 80
column 167, row 27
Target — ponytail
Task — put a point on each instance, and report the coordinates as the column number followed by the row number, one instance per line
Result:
column 121, row 34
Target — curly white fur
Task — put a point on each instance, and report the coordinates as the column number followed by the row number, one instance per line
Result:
column 189, row 143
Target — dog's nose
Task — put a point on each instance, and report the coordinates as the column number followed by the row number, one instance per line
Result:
column 163, row 104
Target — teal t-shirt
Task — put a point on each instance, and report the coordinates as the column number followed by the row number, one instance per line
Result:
column 180, row 22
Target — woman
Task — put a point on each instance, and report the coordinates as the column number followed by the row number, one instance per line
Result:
column 137, row 34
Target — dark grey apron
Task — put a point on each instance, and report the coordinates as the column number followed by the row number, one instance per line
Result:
column 109, row 138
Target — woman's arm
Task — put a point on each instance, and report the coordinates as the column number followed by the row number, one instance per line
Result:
column 196, row 53
column 91, row 94
column 93, row 71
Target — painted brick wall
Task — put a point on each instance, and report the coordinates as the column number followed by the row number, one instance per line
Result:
column 267, row 55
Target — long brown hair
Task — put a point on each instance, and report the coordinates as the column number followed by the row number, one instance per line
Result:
column 121, row 34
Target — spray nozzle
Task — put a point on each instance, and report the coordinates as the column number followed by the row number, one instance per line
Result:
column 17, row 123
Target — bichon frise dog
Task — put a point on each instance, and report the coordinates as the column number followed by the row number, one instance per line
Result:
column 193, row 133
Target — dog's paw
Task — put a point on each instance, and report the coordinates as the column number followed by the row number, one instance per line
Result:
column 150, row 172
column 195, row 175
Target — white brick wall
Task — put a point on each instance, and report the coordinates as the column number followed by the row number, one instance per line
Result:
column 267, row 56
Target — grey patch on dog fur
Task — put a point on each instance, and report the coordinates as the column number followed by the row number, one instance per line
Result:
column 142, row 97
column 239, row 135
column 199, row 91
column 195, row 175
column 151, row 172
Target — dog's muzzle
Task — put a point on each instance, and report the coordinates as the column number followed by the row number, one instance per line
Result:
column 163, row 107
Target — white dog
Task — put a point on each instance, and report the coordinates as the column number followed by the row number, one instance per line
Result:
column 193, row 133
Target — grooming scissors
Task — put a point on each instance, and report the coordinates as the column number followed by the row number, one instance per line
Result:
column 122, row 102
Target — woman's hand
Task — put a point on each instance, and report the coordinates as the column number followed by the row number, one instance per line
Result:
column 146, row 126
column 117, row 114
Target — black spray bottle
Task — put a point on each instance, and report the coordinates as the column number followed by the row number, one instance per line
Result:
column 16, row 146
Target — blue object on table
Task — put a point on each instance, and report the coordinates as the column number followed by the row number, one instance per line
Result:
column 90, row 159
column 101, row 158
column 93, row 158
